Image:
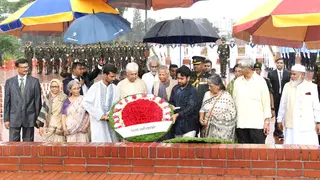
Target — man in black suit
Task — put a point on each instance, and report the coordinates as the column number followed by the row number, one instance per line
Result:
column 22, row 103
column 85, row 78
column 278, row 79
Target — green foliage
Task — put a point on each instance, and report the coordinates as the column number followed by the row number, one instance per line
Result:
column 10, row 46
column 10, row 7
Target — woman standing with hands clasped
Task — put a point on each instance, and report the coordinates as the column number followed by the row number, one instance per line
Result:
column 75, row 119
column 218, row 111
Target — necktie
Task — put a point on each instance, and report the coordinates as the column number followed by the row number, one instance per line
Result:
column 280, row 82
column 21, row 86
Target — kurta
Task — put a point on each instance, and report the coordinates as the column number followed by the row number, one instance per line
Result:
column 300, row 110
column 251, row 51
column 233, row 54
column 149, row 79
column 101, row 130
column 126, row 88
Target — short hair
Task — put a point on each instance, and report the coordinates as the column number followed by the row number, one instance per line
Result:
column 75, row 65
column 279, row 59
column 132, row 67
column 207, row 61
column 184, row 71
column 235, row 67
column 109, row 68
column 163, row 67
column 247, row 63
column 72, row 83
column 20, row 61
column 216, row 80
column 173, row 66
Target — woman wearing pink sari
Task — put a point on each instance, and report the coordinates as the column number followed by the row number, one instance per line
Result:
column 75, row 119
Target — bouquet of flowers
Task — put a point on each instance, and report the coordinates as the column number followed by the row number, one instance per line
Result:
column 141, row 118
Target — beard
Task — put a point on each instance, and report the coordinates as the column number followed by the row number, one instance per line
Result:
column 295, row 83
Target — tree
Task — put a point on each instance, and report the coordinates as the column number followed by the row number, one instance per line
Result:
column 122, row 10
column 137, row 26
column 150, row 23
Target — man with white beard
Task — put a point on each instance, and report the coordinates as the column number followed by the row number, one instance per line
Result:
column 299, row 110
column 151, row 77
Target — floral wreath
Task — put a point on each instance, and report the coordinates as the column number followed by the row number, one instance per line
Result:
column 140, row 109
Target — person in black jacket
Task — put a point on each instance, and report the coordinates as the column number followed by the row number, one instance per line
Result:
column 278, row 78
column 184, row 98
column 85, row 78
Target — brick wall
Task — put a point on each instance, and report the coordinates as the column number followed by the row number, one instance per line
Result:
column 152, row 158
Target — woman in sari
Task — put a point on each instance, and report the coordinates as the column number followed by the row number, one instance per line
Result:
column 49, row 119
column 75, row 119
column 218, row 111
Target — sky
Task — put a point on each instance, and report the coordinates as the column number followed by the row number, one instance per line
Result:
column 211, row 9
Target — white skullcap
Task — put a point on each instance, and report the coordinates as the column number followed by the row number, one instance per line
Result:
column 298, row 68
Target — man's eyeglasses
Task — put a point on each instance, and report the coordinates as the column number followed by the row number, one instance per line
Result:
column 54, row 86
column 24, row 67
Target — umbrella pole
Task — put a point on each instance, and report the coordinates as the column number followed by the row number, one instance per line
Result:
column 180, row 54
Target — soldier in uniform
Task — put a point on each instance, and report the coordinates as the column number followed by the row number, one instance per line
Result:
column 199, row 77
column 56, row 58
column 129, row 52
column 89, row 57
column 106, row 53
column 117, row 55
column 82, row 54
column 111, row 54
column 64, row 57
column 136, row 52
column 316, row 80
column 123, row 54
column 224, row 54
column 39, row 57
column 48, row 59
column 28, row 54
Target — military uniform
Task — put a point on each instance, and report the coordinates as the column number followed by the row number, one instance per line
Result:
column 56, row 59
column 28, row 54
column 136, row 53
column 39, row 56
column 316, row 80
column 89, row 56
column 259, row 66
column 48, row 59
column 65, row 53
column 117, row 55
column 129, row 52
column 111, row 54
column 82, row 54
column 224, row 54
column 97, row 54
column 199, row 81
column 123, row 56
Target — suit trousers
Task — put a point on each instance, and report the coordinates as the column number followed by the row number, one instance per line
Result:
column 250, row 136
column 27, row 134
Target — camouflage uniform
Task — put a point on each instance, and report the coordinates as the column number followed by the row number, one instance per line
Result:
column 224, row 54
column 106, row 54
column 136, row 53
column 123, row 56
column 97, row 54
column 129, row 52
column 48, row 59
column 117, row 55
column 111, row 54
column 28, row 54
column 39, row 56
column 89, row 56
column 64, row 56
column 57, row 58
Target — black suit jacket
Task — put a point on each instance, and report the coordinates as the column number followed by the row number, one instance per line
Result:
column 22, row 111
column 88, row 78
column 274, row 80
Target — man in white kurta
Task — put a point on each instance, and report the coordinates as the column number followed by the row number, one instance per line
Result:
column 151, row 77
column 132, row 84
column 251, row 51
column 98, row 102
column 233, row 53
column 299, row 109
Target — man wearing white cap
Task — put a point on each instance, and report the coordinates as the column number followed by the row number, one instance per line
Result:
column 299, row 111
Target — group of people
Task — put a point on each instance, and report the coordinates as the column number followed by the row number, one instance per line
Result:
column 58, row 59
column 77, row 110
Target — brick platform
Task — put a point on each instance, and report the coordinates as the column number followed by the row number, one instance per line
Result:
column 163, row 159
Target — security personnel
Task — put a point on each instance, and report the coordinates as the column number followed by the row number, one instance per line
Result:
column 136, row 52
column 39, row 57
column 123, row 54
column 316, row 80
column 117, row 55
column 224, row 54
column 111, row 54
column 199, row 77
column 97, row 54
column 48, row 59
column 28, row 54
column 57, row 58
column 129, row 52
column 82, row 54
column 65, row 53
column 89, row 57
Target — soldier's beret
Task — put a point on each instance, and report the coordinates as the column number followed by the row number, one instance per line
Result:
column 198, row 59
column 223, row 39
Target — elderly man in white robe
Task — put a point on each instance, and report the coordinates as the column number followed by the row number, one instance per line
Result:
column 98, row 102
column 299, row 111
column 151, row 77
column 132, row 84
